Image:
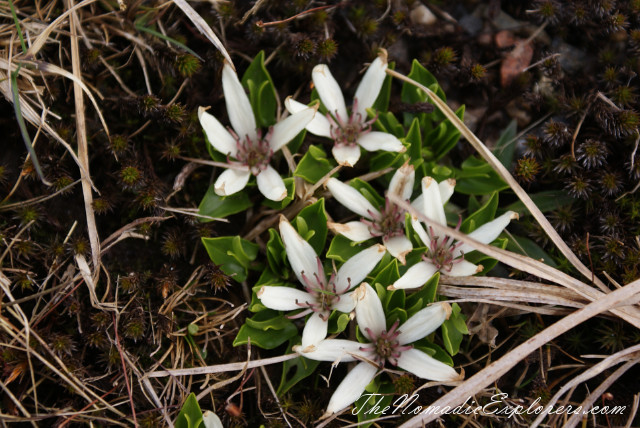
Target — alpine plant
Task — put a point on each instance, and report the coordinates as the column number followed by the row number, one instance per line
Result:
column 248, row 150
column 349, row 130
column 385, row 347
column 442, row 253
column 321, row 295
column 386, row 222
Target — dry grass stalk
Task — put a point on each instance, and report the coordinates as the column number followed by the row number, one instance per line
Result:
column 500, row 367
column 506, row 176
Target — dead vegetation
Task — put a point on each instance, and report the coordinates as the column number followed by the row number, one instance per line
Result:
column 111, row 313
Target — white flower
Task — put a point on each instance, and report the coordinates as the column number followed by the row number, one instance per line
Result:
column 322, row 296
column 443, row 255
column 386, row 221
column 251, row 150
column 211, row 420
column 385, row 345
column 349, row 131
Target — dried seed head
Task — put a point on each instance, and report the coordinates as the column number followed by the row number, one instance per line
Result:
column 327, row 49
column 566, row 164
column 592, row 153
column 611, row 183
column 556, row 134
column 527, row 169
column 579, row 187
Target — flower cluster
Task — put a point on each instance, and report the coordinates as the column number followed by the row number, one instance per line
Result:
column 324, row 292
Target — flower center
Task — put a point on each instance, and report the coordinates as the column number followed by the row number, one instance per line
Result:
column 389, row 223
column 325, row 293
column 346, row 131
column 255, row 155
column 386, row 346
column 441, row 250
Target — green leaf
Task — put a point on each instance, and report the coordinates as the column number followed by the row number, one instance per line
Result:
column 546, row 201
column 267, row 329
column 388, row 275
column 342, row 249
column 441, row 172
column 232, row 253
column 448, row 137
column 382, row 160
column 313, row 165
column 301, row 367
column 453, row 330
column 264, row 339
column 484, row 215
column 426, row 295
column 434, row 350
column 506, row 145
column 276, row 254
column 338, row 322
column 482, row 185
column 410, row 94
column 290, row 185
column 213, row 205
column 315, row 219
column 367, row 191
column 262, row 92
column 190, row 415
column 296, row 142
column 268, row 320
column 487, row 262
column 397, row 314
column 414, row 138
column 388, row 123
column 527, row 247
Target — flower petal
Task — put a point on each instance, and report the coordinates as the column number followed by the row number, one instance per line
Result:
column 231, row 181
column 271, row 185
column 488, row 232
column 356, row 231
column 426, row 367
column 285, row 130
column 423, row 323
column 346, row 155
column 463, row 268
column 334, row 350
column 370, row 85
column 375, row 140
column 417, row 227
column 398, row 246
column 314, row 331
column 346, row 303
column 415, row 277
column 329, row 91
column 301, row 256
column 351, row 198
column 356, row 269
column 319, row 125
column 369, row 312
column 446, row 189
column 238, row 105
column 211, row 420
column 217, row 135
column 283, row 298
column 432, row 201
column 402, row 182
column 351, row 387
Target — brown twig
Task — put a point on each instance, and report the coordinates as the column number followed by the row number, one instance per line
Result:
column 298, row 15
column 124, row 369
